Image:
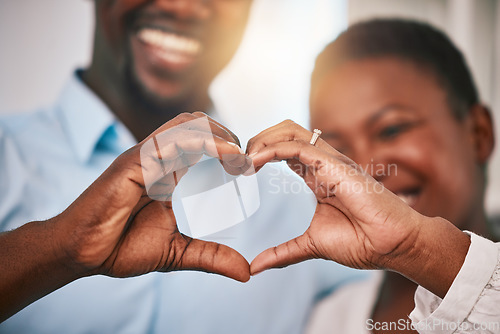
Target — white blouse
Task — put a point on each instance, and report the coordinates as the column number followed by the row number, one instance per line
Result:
column 472, row 304
column 348, row 309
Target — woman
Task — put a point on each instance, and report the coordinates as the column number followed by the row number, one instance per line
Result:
column 116, row 229
column 396, row 97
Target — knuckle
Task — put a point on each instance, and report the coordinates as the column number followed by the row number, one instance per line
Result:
column 302, row 143
column 349, row 162
column 184, row 117
column 128, row 156
column 200, row 113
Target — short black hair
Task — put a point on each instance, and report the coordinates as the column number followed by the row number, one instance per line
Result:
column 410, row 40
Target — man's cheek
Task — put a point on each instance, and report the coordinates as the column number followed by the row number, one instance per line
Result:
column 232, row 11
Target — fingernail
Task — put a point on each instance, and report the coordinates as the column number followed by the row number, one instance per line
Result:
column 253, row 154
column 256, row 273
column 239, row 148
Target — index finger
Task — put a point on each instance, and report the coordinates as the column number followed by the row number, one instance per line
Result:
column 285, row 131
column 219, row 129
column 196, row 121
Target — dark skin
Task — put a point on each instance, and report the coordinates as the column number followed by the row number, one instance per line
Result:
column 383, row 112
column 145, row 85
column 139, row 82
column 116, row 228
column 439, row 159
column 358, row 222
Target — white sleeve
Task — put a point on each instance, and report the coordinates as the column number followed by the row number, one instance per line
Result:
column 472, row 304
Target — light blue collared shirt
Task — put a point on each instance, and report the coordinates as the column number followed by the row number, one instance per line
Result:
column 47, row 158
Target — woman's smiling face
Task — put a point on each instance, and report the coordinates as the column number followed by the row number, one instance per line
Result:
column 393, row 118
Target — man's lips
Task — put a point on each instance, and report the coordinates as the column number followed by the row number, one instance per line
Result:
column 169, row 42
column 166, row 49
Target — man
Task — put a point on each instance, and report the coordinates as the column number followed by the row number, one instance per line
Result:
column 152, row 60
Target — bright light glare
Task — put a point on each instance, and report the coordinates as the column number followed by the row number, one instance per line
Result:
column 268, row 79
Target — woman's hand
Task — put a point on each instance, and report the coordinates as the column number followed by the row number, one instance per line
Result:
column 357, row 222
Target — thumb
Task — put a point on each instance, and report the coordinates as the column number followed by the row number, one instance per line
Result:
column 211, row 257
column 290, row 252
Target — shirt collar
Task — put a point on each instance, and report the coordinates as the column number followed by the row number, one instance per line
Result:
column 88, row 122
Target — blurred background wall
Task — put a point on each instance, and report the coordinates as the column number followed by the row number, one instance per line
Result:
column 42, row 42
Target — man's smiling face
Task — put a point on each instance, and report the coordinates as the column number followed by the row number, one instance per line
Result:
column 168, row 50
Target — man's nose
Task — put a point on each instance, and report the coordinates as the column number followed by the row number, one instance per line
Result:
column 187, row 9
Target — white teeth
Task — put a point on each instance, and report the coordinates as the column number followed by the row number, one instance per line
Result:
column 169, row 42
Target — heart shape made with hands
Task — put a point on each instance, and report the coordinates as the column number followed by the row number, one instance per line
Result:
column 124, row 225
column 211, row 199
column 349, row 225
column 214, row 194
column 223, row 200
column 132, row 229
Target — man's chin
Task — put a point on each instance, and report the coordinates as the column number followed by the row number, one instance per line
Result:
column 161, row 103
column 160, row 98
column 163, row 97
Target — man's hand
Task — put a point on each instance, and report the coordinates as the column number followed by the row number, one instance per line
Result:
column 357, row 222
column 122, row 226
